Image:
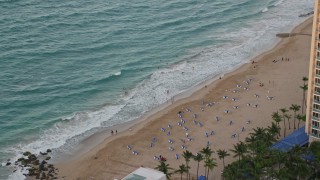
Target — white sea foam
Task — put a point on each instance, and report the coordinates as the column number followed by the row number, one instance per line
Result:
column 65, row 130
column 278, row 3
column 18, row 174
column 243, row 44
column 264, row 10
column 117, row 73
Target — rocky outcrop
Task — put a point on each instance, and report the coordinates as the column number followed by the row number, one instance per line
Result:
column 37, row 165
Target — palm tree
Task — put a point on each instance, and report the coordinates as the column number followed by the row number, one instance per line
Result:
column 163, row 167
column 222, row 154
column 288, row 119
column 231, row 172
column 198, row 158
column 301, row 118
column 258, row 132
column 239, row 149
column 296, row 165
column 314, row 149
column 279, row 157
column 187, row 156
column 304, row 79
column 252, row 144
column 182, row 169
column 295, row 108
column 207, row 152
column 284, row 110
column 209, row 164
column 268, row 139
column 304, row 88
column 273, row 129
column 277, row 118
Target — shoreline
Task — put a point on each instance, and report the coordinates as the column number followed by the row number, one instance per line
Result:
column 197, row 93
column 99, row 137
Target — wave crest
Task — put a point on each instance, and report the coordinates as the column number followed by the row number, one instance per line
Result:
column 117, row 73
column 264, row 10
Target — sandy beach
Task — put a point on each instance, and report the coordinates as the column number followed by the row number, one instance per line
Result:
column 250, row 93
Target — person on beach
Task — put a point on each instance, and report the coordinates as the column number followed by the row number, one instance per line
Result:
column 111, row 132
column 269, row 97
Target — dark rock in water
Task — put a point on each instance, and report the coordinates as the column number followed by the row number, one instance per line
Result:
column 32, row 157
column 24, row 163
column 44, row 176
column 49, row 150
column 43, row 153
column 20, row 159
column 36, row 162
column 8, row 159
column 41, row 167
column 32, row 171
column 44, row 162
column 48, row 158
column 8, row 164
column 27, row 153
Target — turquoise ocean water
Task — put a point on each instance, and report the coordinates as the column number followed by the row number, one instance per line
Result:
column 65, row 65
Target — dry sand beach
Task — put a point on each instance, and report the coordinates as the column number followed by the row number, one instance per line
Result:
column 281, row 80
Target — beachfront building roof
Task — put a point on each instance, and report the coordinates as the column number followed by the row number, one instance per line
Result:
column 298, row 137
column 313, row 97
column 145, row 174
